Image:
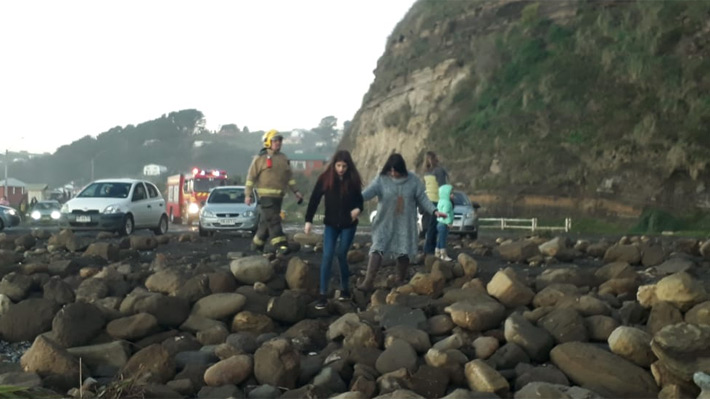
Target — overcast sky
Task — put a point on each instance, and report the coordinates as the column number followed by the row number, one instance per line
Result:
column 72, row 68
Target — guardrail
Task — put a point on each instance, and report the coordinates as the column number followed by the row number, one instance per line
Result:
column 524, row 224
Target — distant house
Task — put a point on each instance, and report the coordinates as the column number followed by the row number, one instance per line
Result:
column 38, row 191
column 154, row 170
column 16, row 191
column 307, row 163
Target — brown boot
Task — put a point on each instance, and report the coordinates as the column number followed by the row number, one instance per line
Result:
column 402, row 266
column 372, row 267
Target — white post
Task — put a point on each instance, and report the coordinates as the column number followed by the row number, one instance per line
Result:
column 6, row 162
column 534, row 224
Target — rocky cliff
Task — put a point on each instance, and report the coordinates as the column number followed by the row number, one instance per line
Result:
column 574, row 107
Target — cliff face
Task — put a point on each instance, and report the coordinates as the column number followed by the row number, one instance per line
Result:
column 601, row 103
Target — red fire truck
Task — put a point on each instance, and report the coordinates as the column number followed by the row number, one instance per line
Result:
column 187, row 191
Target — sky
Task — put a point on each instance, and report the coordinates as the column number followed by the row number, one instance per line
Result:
column 73, row 68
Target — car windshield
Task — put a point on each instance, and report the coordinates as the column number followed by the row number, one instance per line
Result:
column 46, row 205
column 203, row 185
column 106, row 190
column 227, row 196
column 461, row 199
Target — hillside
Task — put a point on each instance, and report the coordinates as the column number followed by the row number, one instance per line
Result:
column 177, row 140
column 565, row 107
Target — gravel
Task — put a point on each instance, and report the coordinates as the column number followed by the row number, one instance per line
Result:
column 12, row 352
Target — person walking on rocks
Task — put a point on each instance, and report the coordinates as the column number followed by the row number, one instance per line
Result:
column 445, row 205
column 394, row 231
column 435, row 176
column 341, row 186
column 270, row 172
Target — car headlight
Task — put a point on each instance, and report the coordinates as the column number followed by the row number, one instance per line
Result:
column 115, row 208
column 207, row 214
column 55, row 215
column 248, row 214
column 35, row 215
column 11, row 212
column 65, row 209
column 193, row 208
column 469, row 215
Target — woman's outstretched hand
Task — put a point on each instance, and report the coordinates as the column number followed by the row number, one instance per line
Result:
column 307, row 228
column 355, row 213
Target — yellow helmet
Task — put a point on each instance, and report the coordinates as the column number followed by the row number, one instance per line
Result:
column 270, row 136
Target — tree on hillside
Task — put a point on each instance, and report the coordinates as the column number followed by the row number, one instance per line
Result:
column 326, row 129
column 229, row 129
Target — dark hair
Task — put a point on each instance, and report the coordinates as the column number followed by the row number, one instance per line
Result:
column 396, row 162
column 351, row 179
column 430, row 161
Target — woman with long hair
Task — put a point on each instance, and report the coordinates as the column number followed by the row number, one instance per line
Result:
column 435, row 176
column 394, row 231
column 341, row 186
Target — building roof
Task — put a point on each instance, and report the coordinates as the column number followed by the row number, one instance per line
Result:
column 12, row 182
column 313, row 156
column 37, row 186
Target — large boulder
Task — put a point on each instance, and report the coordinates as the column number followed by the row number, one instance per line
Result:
column 77, row 323
column 277, row 363
column 252, row 269
column 518, row 251
column 219, row 306
column 53, row 363
column 233, row 370
column 633, row 344
column 683, row 348
column 152, row 364
column 27, row 319
column 682, row 290
column 603, row 372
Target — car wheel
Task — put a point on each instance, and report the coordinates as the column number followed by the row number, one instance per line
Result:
column 162, row 226
column 473, row 236
column 2, row 225
column 203, row 232
column 128, row 226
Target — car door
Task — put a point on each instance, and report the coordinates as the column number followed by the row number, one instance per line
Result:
column 140, row 205
column 157, row 203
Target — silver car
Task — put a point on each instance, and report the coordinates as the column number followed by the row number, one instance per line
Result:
column 465, row 215
column 225, row 210
column 8, row 217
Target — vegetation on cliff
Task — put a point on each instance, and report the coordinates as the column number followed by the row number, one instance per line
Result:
column 580, row 98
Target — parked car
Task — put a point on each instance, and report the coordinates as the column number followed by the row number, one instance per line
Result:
column 465, row 216
column 121, row 205
column 9, row 217
column 225, row 210
column 45, row 213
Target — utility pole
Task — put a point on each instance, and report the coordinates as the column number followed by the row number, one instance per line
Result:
column 92, row 169
column 5, row 192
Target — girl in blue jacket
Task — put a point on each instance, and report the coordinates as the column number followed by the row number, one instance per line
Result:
column 445, row 205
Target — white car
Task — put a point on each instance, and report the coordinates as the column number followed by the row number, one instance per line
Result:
column 121, row 205
column 225, row 210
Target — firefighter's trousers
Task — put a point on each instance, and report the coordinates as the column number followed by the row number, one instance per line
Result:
column 270, row 222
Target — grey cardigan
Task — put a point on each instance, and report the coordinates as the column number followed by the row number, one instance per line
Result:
column 395, row 233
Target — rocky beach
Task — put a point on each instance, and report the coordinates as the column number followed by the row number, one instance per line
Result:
column 182, row 316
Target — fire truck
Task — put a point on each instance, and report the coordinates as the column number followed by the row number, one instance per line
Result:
column 187, row 192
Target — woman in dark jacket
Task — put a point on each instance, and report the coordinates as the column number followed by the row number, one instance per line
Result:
column 341, row 185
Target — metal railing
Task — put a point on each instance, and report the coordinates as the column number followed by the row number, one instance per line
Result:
column 524, row 224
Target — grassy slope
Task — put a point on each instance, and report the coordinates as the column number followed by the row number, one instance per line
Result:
column 615, row 90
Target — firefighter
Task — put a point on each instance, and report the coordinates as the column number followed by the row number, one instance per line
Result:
column 270, row 172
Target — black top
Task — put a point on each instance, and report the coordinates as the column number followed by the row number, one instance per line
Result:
column 337, row 207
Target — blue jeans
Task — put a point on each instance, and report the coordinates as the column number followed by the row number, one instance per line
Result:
column 330, row 238
column 430, row 228
column 443, row 232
